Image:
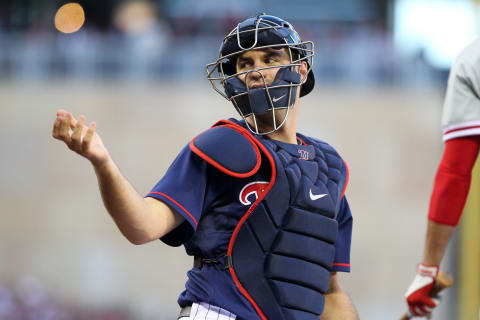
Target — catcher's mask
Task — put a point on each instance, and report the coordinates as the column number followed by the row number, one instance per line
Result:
column 262, row 32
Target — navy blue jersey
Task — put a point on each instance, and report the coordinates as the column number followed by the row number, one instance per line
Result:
column 212, row 203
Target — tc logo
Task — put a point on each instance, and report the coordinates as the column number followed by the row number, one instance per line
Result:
column 303, row 154
column 253, row 188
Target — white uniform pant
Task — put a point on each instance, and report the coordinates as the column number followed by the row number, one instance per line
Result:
column 205, row 311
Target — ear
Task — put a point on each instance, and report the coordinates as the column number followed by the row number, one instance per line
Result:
column 303, row 71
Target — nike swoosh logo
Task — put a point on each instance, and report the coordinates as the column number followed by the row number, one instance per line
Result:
column 316, row 196
column 276, row 99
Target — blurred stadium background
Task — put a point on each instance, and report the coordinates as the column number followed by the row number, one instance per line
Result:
column 138, row 69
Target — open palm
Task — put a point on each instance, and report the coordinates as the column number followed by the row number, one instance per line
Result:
column 80, row 138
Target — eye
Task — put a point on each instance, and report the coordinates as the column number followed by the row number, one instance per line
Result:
column 243, row 65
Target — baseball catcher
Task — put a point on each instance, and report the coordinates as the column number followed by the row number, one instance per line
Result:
column 260, row 208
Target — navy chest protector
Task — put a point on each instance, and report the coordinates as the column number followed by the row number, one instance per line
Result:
column 282, row 250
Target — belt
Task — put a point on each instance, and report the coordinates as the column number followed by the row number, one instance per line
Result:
column 185, row 312
column 222, row 262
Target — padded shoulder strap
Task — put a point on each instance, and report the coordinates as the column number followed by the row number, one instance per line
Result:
column 227, row 147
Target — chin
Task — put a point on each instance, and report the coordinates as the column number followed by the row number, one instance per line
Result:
column 265, row 121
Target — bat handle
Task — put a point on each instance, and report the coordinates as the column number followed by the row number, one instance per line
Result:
column 405, row 316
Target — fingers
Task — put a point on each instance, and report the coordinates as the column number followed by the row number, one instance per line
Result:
column 74, row 133
column 88, row 137
column 418, row 311
column 423, row 309
column 65, row 114
column 432, row 303
column 72, row 122
column 61, row 112
column 428, row 312
column 64, row 132
column 56, row 128
column 77, row 134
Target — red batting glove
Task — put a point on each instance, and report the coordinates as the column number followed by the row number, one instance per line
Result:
column 419, row 301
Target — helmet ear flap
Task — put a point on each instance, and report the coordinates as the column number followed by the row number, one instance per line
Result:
column 228, row 66
column 307, row 87
column 297, row 55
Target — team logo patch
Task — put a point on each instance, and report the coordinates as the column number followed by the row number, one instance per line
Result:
column 303, row 154
column 253, row 189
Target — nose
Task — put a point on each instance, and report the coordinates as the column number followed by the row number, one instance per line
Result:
column 255, row 74
column 256, row 78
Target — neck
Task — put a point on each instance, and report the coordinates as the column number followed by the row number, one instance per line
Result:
column 288, row 132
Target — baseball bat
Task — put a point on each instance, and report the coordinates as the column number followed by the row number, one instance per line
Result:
column 444, row 280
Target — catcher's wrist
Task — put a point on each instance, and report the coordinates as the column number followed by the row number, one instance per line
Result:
column 428, row 270
column 101, row 165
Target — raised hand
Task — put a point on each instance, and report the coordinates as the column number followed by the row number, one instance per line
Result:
column 79, row 138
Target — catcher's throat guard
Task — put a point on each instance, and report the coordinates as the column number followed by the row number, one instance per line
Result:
column 282, row 250
column 263, row 32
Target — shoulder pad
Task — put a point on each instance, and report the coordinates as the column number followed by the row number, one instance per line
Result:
column 228, row 150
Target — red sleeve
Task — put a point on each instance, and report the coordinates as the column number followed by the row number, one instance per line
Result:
column 452, row 180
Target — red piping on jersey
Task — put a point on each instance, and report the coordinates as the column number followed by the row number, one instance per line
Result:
column 246, row 133
column 178, row 204
column 346, row 181
column 341, row 265
column 462, row 128
column 222, row 168
column 303, row 142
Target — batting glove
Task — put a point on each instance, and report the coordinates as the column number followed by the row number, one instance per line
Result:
column 419, row 301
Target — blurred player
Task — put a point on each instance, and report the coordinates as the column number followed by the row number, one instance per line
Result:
column 260, row 207
column 461, row 133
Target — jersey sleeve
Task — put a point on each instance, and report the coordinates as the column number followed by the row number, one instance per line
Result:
column 452, row 181
column 461, row 110
column 344, row 239
column 183, row 189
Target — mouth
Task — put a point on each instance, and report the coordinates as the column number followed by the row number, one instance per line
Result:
column 256, row 85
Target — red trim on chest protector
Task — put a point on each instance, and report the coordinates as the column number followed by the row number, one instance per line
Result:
column 346, row 180
column 221, row 167
column 246, row 133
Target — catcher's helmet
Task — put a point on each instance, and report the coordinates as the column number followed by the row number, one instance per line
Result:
column 262, row 32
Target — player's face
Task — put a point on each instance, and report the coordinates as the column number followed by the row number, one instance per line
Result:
column 267, row 60
column 261, row 58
